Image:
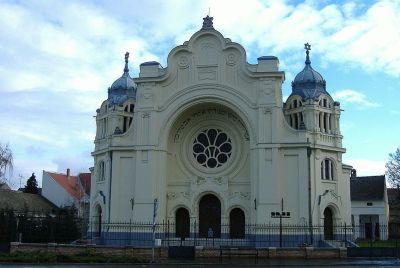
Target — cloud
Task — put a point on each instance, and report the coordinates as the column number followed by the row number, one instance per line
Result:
column 353, row 96
column 59, row 57
column 366, row 167
column 77, row 163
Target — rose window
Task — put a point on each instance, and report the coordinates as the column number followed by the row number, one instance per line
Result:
column 212, row 148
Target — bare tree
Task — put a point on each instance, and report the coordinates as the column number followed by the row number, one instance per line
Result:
column 393, row 167
column 6, row 161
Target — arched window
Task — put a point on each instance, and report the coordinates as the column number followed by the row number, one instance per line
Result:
column 236, row 223
column 182, row 223
column 103, row 127
column 101, row 176
column 128, row 116
column 327, row 170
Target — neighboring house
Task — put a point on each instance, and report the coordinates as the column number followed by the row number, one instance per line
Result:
column 4, row 186
column 369, row 207
column 65, row 190
column 21, row 202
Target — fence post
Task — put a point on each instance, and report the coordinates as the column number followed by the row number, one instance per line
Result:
column 195, row 233
column 168, row 233
column 345, row 233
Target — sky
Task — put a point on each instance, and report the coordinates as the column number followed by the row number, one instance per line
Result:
column 57, row 59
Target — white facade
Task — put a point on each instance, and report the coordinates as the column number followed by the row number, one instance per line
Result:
column 371, row 216
column 260, row 156
column 55, row 193
column 64, row 190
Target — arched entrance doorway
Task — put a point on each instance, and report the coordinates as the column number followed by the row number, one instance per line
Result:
column 210, row 216
column 328, row 224
column 236, row 223
column 182, row 223
column 97, row 221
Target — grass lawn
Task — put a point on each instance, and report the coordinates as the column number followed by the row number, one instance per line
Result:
column 378, row 243
column 47, row 257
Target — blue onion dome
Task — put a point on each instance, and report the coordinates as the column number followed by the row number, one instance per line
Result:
column 123, row 88
column 309, row 84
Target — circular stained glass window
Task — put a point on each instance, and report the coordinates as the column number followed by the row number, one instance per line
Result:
column 212, row 148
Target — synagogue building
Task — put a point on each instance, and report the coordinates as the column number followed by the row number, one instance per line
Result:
column 209, row 140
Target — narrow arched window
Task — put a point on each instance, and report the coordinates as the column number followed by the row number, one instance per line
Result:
column 101, row 176
column 182, row 219
column 237, row 224
column 327, row 169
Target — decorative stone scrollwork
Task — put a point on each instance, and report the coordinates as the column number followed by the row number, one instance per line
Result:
column 241, row 195
column 171, row 195
column 183, row 62
column 231, row 59
column 185, row 195
column 198, row 180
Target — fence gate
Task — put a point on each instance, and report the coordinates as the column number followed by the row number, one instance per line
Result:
column 181, row 252
column 7, row 227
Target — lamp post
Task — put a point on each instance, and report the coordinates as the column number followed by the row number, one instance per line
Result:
column 155, row 207
column 280, row 214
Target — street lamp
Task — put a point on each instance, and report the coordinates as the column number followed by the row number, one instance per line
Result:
column 280, row 214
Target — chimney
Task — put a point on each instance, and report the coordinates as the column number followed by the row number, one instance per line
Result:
column 353, row 173
column 68, row 173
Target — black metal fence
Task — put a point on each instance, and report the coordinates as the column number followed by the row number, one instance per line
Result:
column 40, row 228
column 66, row 228
column 251, row 235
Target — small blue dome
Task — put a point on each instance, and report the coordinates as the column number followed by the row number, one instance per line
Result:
column 123, row 88
column 124, row 82
column 308, row 84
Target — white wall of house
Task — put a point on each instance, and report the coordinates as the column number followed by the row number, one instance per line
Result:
column 56, row 194
column 370, row 212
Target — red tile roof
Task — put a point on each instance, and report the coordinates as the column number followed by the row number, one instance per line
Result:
column 71, row 184
column 85, row 181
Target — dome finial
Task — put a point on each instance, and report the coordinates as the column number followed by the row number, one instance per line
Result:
column 307, row 47
column 207, row 23
column 126, row 69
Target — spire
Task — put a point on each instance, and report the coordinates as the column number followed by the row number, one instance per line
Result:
column 207, row 23
column 307, row 47
column 126, row 69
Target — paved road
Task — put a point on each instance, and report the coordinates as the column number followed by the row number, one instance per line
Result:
column 242, row 263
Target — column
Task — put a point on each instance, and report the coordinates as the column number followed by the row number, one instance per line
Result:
column 328, row 123
column 321, row 121
column 356, row 219
column 383, row 227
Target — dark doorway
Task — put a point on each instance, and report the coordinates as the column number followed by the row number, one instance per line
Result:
column 328, row 224
column 377, row 231
column 98, row 219
column 368, row 230
column 182, row 223
column 236, row 223
column 210, row 216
